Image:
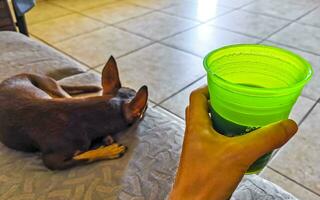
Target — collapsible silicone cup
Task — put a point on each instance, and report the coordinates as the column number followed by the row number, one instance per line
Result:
column 252, row 86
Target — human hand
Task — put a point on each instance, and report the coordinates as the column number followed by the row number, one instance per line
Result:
column 212, row 165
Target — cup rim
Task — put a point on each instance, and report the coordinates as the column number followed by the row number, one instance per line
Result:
column 254, row 89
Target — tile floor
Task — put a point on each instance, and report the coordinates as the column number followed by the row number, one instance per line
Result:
column 161, row 43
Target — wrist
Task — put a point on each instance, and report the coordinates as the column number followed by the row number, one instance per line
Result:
column 201, row 187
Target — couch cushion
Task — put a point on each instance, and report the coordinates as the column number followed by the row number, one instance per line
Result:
column 19, row 54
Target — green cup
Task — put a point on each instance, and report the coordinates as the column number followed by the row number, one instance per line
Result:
column 252, row 86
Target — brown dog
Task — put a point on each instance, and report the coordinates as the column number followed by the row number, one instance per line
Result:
column 37, row 114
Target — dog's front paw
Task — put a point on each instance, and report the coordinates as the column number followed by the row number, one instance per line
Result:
column 113, row 151
column 108, row 152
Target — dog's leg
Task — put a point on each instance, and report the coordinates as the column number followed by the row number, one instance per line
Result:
column 48, row 85
column 81, row 89
column 103, row 153
column 56, row 161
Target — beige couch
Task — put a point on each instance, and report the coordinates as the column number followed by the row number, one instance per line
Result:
column 145, row 172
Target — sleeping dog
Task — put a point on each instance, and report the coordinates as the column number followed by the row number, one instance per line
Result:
column 37, row 114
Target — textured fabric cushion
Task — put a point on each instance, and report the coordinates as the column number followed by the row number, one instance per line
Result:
column 253, row 187
column 145, row 172
column 19, row 54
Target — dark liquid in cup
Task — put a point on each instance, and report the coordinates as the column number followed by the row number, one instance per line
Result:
column 231, row 129
column 251, row 85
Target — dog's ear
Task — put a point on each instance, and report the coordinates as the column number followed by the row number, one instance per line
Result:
column 136, row 107
column 110, row 77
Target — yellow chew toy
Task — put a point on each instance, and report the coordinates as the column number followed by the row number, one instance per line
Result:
column 108, row 152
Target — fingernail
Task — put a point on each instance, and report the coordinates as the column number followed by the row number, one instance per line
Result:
column 290, row 126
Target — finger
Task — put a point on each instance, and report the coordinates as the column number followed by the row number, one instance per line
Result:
column 269, row 138
column 199, row 109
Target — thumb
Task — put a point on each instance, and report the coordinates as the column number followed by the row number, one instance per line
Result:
column 266, row 139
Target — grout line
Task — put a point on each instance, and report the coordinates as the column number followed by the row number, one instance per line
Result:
column 266, row 14
column 125, row 54
column 299, row 122
column 296, row 182
column 246, row 4
column 169, row 111
column 309, row 111
column 46, row 20
column 276, row 31
column 147, row 45
column 310, row 98
column 152, row 41
column 137, row 34
column 237, row 32
column 130, row 18
column 102, row 27
column 154, row 103
column 169, row 14
column 293, row 21
column 105, row 26
column 182, row 31
column 96, row 6
column 218, row 3
column 155, row 9
column 274, row 16
column 273, row 155
column 138, row 5
column 95, row 67
column 183, row 50
column 178, row 16
column 111, row 25
column 287, row 45
column 60, row 51
column 200, row 23
column 80, row 12
column 158, row 40
column 180, row 90
column 79, row 34
column 225, row 5
column 311, row 25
